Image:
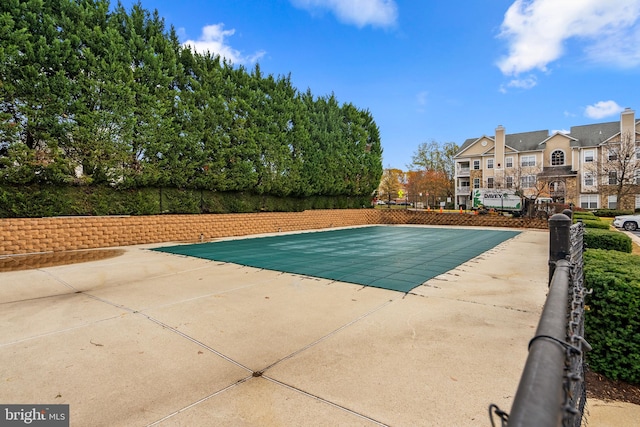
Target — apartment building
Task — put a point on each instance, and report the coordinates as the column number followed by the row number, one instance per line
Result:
column 588, row 167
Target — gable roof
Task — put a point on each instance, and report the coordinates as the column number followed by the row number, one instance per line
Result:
column 566, row 135
column 593, row 135
column 526, row 141
column 580, row 136
column 469, row 142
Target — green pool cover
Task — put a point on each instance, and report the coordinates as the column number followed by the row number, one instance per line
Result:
column 396, row 258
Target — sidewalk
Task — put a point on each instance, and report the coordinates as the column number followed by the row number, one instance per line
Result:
column 149, row 338
column 634, row 237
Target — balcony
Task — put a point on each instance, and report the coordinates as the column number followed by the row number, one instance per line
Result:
column 462, row 171
column 463, row 190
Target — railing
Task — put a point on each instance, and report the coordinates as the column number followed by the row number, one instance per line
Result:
column 552, row 389
column 463, row 172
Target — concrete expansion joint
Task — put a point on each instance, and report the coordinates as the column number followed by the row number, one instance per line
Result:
column 204, row 399
column 325, row 337
column 195, row 341
column 328, row 402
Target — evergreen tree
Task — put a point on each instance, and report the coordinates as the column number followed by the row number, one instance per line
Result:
column 93, row 95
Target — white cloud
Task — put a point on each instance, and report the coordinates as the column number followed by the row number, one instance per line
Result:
column 212, row 40
column 536, row 31
column 524, row 83
column 421, row 98
column 602, row 109
column 618, row 48
column 377, row 13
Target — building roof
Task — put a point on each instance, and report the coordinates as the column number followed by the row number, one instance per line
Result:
column 593, row 135
column 468, row 143
column 557, row 171
column 526, row 141
column 582, row 136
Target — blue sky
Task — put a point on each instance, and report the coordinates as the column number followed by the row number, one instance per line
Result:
column 434, row 69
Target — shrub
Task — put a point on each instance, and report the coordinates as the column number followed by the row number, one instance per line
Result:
column 45, row 201
column 595, row 224
column 586, row 215
column 610, row 212
column 595, row 238
column 181, row 201
column 612, row 324
column 105, row 200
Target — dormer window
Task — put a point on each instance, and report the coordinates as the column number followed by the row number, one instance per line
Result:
column 557, row 158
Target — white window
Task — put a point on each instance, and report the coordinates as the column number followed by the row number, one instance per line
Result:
column 557, row 158
column 588, row 156
column 476, row 182
column 509, row 181
column 613, row 154
column 636, row 177
column 476, row 165
column 528, row 161
column 508, row 161
column 489, row 163
column 587, row 179
column 613, row 178
column 612, row 202
column 589, row 201
column 489, row 182
column 637, row 151
column 528, row 181
column 637, row 201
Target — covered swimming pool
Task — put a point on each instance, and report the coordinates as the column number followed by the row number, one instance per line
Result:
column 390, row 257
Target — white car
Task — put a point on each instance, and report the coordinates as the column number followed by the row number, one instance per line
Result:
column 628, row 222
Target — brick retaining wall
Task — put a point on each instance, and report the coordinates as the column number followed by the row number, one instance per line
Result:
column 29, row 235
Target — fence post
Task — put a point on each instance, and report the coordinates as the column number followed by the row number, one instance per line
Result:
column 559, row 240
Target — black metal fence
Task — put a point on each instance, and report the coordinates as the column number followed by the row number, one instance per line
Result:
column 552, row 389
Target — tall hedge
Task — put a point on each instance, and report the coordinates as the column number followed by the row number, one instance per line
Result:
column 37, row 201
column 101, row 96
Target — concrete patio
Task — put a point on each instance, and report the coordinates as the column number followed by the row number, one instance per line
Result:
column 148, row 338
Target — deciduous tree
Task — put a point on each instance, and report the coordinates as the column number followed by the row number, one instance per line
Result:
column 617, row 169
